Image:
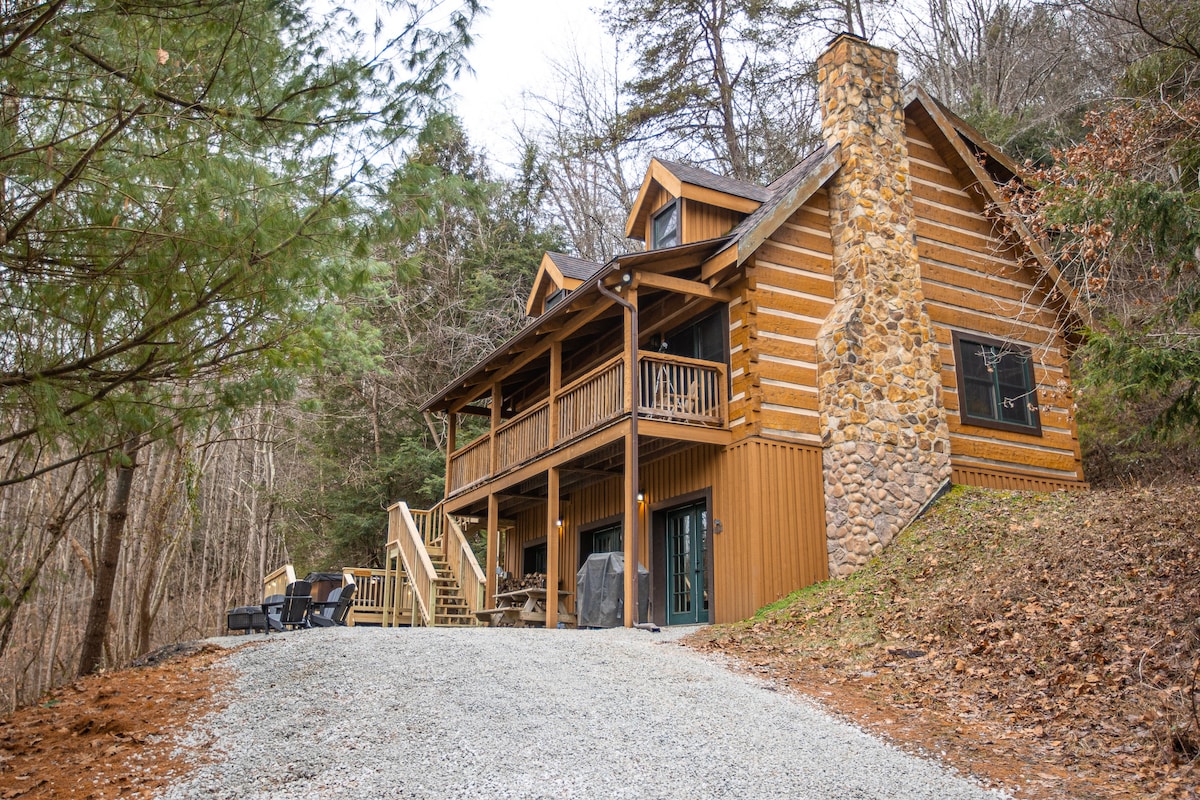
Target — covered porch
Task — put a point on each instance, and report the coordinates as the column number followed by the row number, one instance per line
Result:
column 626, row 371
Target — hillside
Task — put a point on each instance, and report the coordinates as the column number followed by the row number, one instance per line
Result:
column 1048, row 643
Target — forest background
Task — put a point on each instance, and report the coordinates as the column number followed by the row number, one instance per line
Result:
column 242, row 240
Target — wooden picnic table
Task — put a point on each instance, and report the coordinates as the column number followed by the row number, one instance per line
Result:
column 523, row 607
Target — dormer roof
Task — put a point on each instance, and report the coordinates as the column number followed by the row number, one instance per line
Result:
column 680, row 180
column 557, row 271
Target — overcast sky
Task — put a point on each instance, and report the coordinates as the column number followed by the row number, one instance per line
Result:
column 514, row 45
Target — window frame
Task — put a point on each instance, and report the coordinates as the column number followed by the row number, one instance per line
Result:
column 554, row 298
column 656, row 242
column 961, row 343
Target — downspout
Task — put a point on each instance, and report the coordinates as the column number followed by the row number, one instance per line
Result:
column 634, row 385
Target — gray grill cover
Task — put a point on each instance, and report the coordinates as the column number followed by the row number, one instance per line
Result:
column 600, row 591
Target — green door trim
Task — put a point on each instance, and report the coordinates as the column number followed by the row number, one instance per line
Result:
column 687, row 600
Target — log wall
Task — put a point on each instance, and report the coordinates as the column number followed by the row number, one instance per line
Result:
column 973, row 280
column 791, row 294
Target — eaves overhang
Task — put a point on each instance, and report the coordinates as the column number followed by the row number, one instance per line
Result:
column 470, row 384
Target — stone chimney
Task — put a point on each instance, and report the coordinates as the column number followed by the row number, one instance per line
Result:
column 887, row 446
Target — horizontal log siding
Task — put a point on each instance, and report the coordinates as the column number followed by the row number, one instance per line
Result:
column 792, row 278
column 973, row 281
column 743, row 388
column 702, row 221
column 768, row 496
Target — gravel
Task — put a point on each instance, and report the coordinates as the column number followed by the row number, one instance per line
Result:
column 528, row 713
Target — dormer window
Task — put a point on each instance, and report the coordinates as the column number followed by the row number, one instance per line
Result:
column 666, row 226
column 554, row 297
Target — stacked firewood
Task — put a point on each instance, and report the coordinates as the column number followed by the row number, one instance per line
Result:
column 511, row 583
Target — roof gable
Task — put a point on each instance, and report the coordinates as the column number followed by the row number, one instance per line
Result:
column 989, row 168
column 557, row 271
column 680, row 180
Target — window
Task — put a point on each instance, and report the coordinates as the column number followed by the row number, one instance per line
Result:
column 705, row 339
column 666, row 226
column 995, row 384
column 600, row 540
column 534, row 558
column 553, row 298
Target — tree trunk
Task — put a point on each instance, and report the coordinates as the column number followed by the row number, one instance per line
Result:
column 106, row 567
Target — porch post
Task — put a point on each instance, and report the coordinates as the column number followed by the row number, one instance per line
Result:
column 451, row 445
column 633, row 397
column 555, row 385
column 493, row 548
column 552, row 534
column 631, row 527
column 493, row 444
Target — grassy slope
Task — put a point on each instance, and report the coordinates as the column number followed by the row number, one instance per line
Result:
column 1044, row 641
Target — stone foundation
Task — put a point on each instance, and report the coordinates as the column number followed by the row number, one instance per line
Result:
column 887, row 446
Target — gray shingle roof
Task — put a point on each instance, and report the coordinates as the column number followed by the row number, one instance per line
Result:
column 779, row 189
column 573, row 267
column 719, row 183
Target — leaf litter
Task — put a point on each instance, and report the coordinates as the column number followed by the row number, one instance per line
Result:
column 1046, row 643
column 113, row 734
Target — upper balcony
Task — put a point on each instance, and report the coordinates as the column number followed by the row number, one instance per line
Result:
column 682, row 394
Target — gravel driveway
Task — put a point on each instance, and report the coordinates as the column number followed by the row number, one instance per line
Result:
column 507, row 713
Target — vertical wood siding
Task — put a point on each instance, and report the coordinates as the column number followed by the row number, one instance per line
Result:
column 770, row 500
column 702, row 221
column 767, row 495
column 973, row 281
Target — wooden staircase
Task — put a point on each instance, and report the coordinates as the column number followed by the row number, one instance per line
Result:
column 430, row 571
column 449, row 606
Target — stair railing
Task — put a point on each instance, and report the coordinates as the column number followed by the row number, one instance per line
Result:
column 463, row 565
column 404, row 533
column 429, row 525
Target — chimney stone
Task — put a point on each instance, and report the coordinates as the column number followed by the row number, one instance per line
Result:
column 885, row 437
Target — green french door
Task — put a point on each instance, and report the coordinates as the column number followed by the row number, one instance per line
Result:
column 687, row 594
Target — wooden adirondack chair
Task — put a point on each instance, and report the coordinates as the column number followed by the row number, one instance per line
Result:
column 335, row 610
column 292, row 612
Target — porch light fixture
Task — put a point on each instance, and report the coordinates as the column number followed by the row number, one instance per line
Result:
column 641, row 497
column 558, row 522
column 626, row 278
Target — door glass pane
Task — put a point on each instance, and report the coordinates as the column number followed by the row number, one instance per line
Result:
column 702, row 561
column 604, row 540
column 681, row 579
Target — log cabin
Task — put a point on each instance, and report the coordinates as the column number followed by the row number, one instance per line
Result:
column 781, row 381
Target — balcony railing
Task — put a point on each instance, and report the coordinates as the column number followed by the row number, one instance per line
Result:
column 523, row 436
column 681, row 390
column 673, row 389
column 471, row 464
column 592, row 400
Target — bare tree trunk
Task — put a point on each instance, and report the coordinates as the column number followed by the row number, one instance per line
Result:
column 56, row 530
column 106, row 567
